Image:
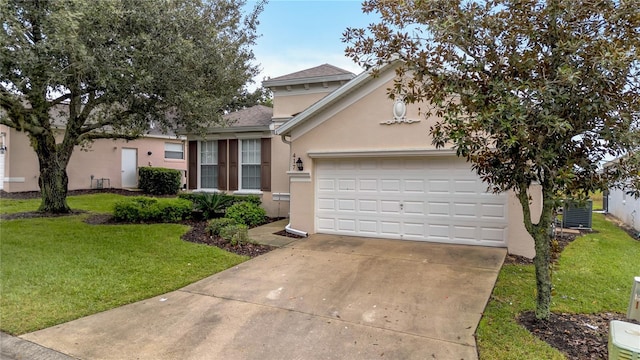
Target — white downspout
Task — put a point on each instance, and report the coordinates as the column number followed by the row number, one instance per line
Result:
column 288, row 228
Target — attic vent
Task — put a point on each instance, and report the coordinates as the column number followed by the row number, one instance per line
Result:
column 624, row 341
column 575, row 215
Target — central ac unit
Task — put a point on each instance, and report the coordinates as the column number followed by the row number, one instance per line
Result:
column 624, row 341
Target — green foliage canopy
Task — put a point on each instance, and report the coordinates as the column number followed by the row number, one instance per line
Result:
column 529, row 92
column 108, row 69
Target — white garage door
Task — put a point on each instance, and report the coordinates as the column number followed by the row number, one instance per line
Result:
column 434, row 199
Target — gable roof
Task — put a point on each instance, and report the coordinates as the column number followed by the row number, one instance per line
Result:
column 322, row 73
column 258, row 115
column 360, row 80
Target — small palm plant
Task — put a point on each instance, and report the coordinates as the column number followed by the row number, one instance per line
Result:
column 211, row 204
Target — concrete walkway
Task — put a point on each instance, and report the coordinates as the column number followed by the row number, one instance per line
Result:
column 323, row 297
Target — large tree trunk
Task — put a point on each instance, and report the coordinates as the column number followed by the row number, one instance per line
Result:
column 541, row 233
column 53, row 180
column 53, row 183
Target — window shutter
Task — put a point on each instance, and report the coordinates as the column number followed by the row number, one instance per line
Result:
column 222, row 164
column 233, row 164
column 193, row 165
column 265, row 165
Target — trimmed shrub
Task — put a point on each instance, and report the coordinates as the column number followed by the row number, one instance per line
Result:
column 159, row 181
column 216, row 225
column 246, row 213
column 144, row 209
column 254, row 199
column 235, row 234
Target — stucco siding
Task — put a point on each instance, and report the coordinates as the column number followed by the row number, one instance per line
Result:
column 356, row 125
column 102, row 159
column 625, row 207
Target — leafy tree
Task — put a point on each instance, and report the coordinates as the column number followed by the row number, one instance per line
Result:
column 107, row 69
column 246, row 99
column 529, row 92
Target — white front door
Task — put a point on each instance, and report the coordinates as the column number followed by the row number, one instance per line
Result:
column 435, row 199
column 129, row 168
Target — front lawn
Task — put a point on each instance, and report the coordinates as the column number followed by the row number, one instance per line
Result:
column 594, row 275
column 102, row 203
column 53, row 270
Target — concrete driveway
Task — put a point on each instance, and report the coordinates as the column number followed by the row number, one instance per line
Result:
column 324, row 297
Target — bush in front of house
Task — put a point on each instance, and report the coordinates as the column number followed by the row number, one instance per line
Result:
column 215, row 226
column 159, row 181
column 235, row 234
column 254, row 199
column 210, row 204
column 141, row 209
column 246, row 213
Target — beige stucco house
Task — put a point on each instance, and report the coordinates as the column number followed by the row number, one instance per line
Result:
column 368, row 168
column 104, row 163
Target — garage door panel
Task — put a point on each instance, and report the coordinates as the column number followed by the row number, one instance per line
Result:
column 428, row 199
column 346, row 225
column 368, row 206
column 414, row 186
column 325, row 204
column 368, row 185
column 465, row 210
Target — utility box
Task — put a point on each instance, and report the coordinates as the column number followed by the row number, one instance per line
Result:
column 634, row 303
column 577, row 215
column 624, row 341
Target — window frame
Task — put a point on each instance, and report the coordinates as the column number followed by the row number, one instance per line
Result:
column 215, row 163
column 258, row 163
column 173, row 151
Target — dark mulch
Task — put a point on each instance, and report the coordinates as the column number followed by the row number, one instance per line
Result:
column 198, row 234
column 578, row 336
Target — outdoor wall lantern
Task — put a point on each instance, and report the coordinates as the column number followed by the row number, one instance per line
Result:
column 634, row 303
column 299, row 164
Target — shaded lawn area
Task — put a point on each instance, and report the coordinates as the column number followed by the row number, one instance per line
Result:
column 102, row 203
column 54, row 270
column 594, row 275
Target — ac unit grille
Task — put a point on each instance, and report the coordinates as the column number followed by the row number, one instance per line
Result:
column 624, row 341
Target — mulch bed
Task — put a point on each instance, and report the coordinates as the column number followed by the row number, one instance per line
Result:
column 578, row 336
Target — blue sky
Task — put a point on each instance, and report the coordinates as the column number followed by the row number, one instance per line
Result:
column 300, row 34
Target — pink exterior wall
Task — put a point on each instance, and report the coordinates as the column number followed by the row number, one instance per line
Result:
column 102, row 160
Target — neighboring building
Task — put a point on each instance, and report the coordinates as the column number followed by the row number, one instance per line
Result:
column 621, row 205
column 104, row 163
column 369, row 169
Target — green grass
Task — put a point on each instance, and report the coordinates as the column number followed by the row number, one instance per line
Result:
column 594, row 274
column 53, row 270
column 596, row 197
column 102, row 203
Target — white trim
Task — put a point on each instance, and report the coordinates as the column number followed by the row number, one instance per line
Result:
column 248, row 192
column 240, row 163
column 358, row 81
column 303, row 89
column 280, row 196
column 199, row 164
column 299, row 176
column 308, row 80
column 166, row 137
column 379, row 153
column 14, row 180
